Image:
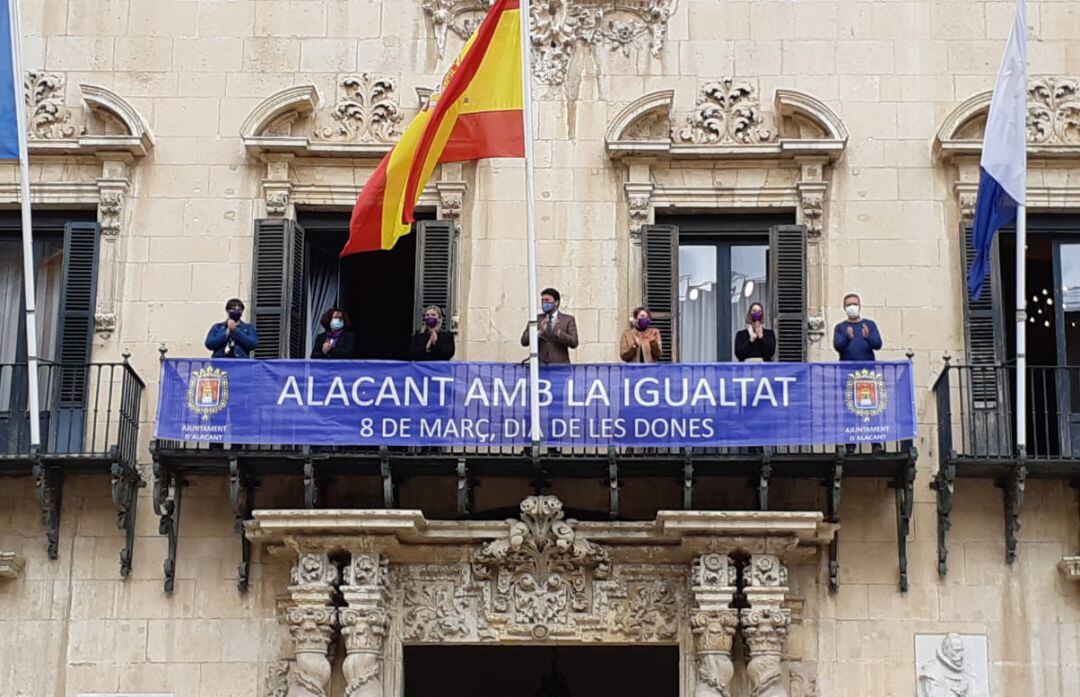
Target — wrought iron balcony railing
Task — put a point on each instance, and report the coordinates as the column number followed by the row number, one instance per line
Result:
column 89, row 418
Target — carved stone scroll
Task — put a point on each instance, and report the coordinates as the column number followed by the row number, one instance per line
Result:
column 311, row 619
column 367, row 111
column 112, row 195
column 765, row 624
column 1053, row 110
column 48, row 117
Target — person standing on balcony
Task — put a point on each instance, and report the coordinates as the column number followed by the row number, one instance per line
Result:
column 755, row 343
column 640, row 343
column 432, row 343
column 557, row 332
column 232, row 338
column 338, row 341
column 856, row 338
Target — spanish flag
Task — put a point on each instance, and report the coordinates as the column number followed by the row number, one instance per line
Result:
column 476, row 113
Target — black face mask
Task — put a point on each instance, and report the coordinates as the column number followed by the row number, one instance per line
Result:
column 235, row 315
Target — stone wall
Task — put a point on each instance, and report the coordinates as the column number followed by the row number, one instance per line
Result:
column 195, row 69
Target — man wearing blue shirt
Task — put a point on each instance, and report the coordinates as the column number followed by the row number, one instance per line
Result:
column 856, row 338
column 232, row 338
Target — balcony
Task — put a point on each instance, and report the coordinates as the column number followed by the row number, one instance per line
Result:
column 89, row 417
column 449, row 478
column 976, row 428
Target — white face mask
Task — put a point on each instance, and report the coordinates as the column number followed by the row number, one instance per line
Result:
column 852, row 311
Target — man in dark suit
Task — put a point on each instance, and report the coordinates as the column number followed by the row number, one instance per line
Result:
column 557, row 332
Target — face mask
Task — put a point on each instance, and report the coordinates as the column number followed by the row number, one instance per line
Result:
column 642, row 323
column 235, row 315
column 852, row 311
column 547, row 307
column 337, row 324
column 431, row 322
column 757, row 316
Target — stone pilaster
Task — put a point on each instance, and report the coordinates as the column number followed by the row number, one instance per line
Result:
column 713, row 624
column 765, row 624
column 311, row 618
column 364, row 624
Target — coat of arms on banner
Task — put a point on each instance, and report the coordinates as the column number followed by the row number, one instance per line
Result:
column 865, row 393
column 208, row 391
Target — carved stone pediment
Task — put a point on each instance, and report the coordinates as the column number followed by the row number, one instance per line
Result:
column 727, row 121
column 560, row 28
column 108, row 124
column 1053, row 121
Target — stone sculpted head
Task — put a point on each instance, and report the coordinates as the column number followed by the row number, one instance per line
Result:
column 951, row 651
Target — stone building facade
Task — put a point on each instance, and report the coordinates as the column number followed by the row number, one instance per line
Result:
column 185, row 129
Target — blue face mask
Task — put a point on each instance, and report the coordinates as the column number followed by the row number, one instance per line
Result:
column 548, row 307
column 337, row 324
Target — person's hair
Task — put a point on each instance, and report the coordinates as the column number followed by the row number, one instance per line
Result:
column 553, row 293
column 638, row 310
column 234, row 301
column 751, row 309
column 852, row 295
column 329, row 315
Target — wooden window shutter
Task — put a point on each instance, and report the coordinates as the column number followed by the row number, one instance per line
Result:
column 982, row 334
column 660, row 283
column 80, row 270
column 787, row 291
column 67, row 421
column 277, row 288
column 436, row 261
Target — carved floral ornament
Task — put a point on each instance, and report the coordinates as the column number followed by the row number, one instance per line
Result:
column 560, row 27
column 1053, row 120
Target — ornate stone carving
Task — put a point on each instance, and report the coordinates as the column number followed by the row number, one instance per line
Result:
column 366, row 570
column 364, row 631
column 1053, row 111
column 311, row 629
column 559, row 27
column 728, row 112
column 367, row 111
column 276, row 683
column 968, row 200
column 541, row 573
column 766, row 571
column 949, row 673
column 815, row 328
column 803, row 678
column 451, row 199
column 277, row 202
column 765, row 632
column 48, row 117
column 1070, row 568
column 434, row 612
column 110, row 209
column 650, row 612
column 713, row 633
column 313, row 570
column 713, row 570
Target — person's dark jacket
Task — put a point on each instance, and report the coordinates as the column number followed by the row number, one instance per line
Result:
column 343, row 348
column 554, row 346
column 858, row 348
column 763, row 348
column 239, row 344
column 443, row 350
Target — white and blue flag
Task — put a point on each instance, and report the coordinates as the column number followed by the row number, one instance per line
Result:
column 9, row 129
column 1003, row 168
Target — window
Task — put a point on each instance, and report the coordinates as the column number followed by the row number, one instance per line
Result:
column 298, row 275
column 702, row 275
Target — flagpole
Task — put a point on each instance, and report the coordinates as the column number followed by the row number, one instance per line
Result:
column 535, row 432
column 1021, row 331
column 27, row 228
